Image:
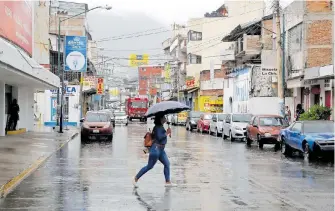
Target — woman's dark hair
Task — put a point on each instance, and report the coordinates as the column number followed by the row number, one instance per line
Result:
column 14, row 101
column 299, row 107
column 158, row 120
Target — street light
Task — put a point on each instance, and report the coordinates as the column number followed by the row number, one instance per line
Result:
column 60, row 121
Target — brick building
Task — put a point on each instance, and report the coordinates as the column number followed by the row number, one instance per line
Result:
column 150, row 79
column 309, row 57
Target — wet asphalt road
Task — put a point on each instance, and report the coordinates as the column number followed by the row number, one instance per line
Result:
column 211, row 174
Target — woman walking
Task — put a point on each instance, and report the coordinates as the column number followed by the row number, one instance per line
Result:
column 157, row 151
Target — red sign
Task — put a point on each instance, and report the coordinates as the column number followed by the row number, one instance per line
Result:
column 190, row 83
column 100, row 86
column 16, row 23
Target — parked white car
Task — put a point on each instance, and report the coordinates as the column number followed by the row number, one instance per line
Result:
column 216, row 125
column 235, row 126
column 121, row 117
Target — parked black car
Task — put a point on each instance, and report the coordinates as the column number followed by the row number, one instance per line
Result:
column 192, row 119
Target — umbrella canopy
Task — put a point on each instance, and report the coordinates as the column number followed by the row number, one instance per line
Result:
column 166, row 107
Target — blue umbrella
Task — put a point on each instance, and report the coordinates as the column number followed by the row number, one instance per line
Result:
column 166, row 107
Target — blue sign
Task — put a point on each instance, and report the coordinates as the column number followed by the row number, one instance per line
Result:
column 75, row 53
column 69, row 90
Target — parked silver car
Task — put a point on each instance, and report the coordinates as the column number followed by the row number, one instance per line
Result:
column 121, row 117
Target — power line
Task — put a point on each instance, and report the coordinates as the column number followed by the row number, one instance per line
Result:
column 127, row 36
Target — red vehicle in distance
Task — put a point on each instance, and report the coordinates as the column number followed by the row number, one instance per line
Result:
column 204, row 123
column 136, row 108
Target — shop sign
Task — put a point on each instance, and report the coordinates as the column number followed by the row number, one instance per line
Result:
column 269, row 71
column 100, row 86
column 138, row 60
column 68, row 91
column 75, row 53
column 311, row 82
column 16, row 23
column 190, row 82
column 89, row 82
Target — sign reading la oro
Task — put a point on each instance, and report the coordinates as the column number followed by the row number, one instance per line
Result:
column 75, row 53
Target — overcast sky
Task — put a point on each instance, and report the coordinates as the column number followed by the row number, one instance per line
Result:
column 130, row 16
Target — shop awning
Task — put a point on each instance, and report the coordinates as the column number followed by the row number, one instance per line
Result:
column 91, row 91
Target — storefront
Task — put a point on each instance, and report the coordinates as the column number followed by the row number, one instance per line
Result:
column 211, row 104
column 319, row 87
column 71, row 110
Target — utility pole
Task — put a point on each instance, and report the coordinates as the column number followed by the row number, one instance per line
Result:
column 279, row 59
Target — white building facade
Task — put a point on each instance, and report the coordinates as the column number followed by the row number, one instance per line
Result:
column 20, row 74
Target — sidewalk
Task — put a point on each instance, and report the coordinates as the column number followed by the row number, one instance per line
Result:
column 22, row 154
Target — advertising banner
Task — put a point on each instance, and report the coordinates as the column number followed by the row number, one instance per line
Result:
column 16, row 23
column 167, row 70
column 100, row 86
column 89, row 82
column 75, row 53
column 138, row 60
column 53, row 109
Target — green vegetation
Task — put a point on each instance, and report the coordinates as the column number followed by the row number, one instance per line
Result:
column 317, row 112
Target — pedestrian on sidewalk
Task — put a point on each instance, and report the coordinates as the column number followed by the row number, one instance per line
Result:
column 299, row 111
column 14, row 110
column 288, row 114
column 157, row 151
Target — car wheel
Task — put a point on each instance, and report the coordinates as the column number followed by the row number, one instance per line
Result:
column 223, row 135
column 126, row 124
column 82, row 139
column 231, row 137
column 260, row 142
column 308, row 154
column 285, row 148
column 277, row 147
column 110, row 138
column 187, row 127
column 249, row 141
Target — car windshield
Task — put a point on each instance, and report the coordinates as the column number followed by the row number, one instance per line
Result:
column 222, row 117
column 242, row 117
column 195, row 115
column 94, row 117
column 207, row 117
column 119, row 113
column 319, row 127
column 272, row 121
column 138, row 104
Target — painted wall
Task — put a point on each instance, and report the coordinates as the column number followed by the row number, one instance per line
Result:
column 41, row 34
column 241, row 91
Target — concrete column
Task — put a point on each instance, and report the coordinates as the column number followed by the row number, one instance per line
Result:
column 25, row 98
column 2, row 109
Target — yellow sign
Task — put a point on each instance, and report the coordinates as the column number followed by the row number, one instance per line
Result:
column 182, row 116
column 114, row 92
column 211, row 104
column 100, row 86
column 138, row 60
column 88, row 82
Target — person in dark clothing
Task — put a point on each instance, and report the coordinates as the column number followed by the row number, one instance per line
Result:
column 157, row 151
column 299, row 111
column 14, row 110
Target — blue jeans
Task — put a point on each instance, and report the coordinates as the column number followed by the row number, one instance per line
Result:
column 156, row 153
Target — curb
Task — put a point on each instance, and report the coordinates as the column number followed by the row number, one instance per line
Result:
column 15, row 181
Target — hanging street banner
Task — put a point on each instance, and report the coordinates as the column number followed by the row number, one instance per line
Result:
column 75, row 53
column 100, row 86
column 138, row 60
column 167, row 71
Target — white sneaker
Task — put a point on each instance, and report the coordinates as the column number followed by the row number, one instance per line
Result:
column 168, row 185
column 135, row 183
